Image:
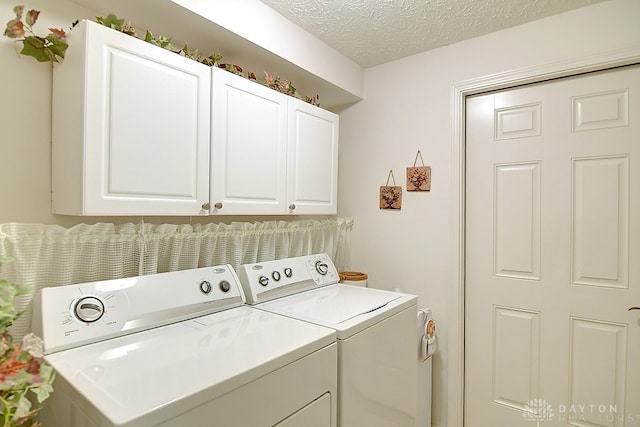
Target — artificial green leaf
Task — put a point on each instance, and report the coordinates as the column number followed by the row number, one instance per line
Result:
column 38, row 52
column 43, row 391
column 57, row 45
column 44, row 49
column 47, row 373
column 8, row 294
column 111, row 21
column 148, row 37
column 165, row 42
column 161, row 41
column 23, row 408
column 33, row 46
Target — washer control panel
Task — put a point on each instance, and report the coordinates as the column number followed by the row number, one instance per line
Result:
column 267, row 280
column 73, row 315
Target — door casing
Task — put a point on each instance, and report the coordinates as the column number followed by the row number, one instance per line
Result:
column 459, row 92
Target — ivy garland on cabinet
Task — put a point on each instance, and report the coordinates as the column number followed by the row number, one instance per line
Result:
column 52, row 47
column 44, row 49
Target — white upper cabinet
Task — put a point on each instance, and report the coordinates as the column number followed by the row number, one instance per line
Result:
column 248, row 147
column 131, row 125
column 312, row 159
column 140, row 130
column 270, row 153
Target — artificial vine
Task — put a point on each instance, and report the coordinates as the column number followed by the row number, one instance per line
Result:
column 48, row 48
column 52, row 48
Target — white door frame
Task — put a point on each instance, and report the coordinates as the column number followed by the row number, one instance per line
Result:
column 459, row 91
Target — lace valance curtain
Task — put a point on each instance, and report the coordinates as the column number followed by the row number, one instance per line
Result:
column 50, row 255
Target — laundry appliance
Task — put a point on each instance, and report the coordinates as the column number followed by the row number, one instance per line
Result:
column 375, row 334
column 181, row 349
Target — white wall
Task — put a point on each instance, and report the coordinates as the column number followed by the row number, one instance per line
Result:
column 407, row 108
column 25, row 118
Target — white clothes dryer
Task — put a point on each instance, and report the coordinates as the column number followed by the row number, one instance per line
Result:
column 181, row 349
column 375, row 330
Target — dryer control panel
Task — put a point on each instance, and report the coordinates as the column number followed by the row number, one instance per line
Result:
column 73, row 315
column 264, row 281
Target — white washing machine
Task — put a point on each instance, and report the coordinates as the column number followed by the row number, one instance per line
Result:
column 181, row 349
column 376, row 334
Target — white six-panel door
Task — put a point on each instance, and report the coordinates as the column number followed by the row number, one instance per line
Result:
column 553, row 253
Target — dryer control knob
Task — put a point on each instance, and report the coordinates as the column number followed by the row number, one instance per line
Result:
column 322, row 267
column 224, row 286
column 276, row 276
column 205, row 287
column 288, row 272
column 263, row 280
column 89, row 309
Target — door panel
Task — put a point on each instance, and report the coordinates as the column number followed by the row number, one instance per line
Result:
column 130, row 131
column 248, row 147
column 312, row 159
column 552, row 232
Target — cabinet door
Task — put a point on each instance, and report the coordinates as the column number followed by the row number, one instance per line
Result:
column 145, row 133
column 312, row 159
column 248, row 147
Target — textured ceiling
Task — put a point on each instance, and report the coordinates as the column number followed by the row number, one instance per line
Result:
column 372, row 32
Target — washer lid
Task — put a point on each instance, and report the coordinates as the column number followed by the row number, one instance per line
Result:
column 347, row 309
column 149, row 377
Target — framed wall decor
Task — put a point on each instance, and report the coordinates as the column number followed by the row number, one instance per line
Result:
column 418, row 177
column 391, row 195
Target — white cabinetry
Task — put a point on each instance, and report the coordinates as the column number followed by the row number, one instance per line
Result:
column 248, row 147
column 131, row 125
column 140, row 130
column 312, row 171
column 270, row 153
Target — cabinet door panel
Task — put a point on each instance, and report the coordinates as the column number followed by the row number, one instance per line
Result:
column 313, row 159
column 153, row 135
column 248, row 147
column 139, row 115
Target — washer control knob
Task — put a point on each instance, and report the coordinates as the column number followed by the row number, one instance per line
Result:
column 225, row 286
column 205, row 287
column 263, row 280
column 89, row 309
column 288, row 272
column 322, row 267
column 276, row 276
